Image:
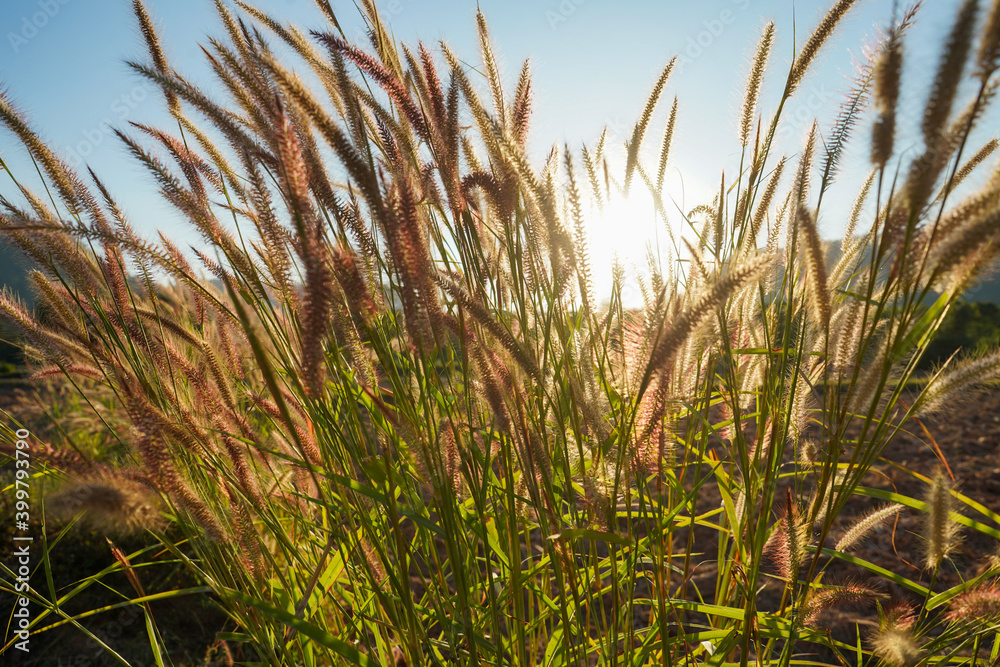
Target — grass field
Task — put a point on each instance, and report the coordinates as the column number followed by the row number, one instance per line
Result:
column 379, row 416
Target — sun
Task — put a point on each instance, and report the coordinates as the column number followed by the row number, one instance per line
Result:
column 624, row 229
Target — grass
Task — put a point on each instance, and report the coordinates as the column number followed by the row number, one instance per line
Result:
column 397, row 426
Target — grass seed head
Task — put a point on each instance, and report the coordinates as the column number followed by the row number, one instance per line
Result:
column 981, row 604
column 866, row 524
column 989, row 47
column 896, row 647
column 941, row 532
column 113, row 504
column 835, row 596
column 816, row 40
column 886, row 75
column 754, row 82
column 949, row 73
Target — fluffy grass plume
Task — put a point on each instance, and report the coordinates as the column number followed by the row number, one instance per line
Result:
column 941, row 533
column 865, row 525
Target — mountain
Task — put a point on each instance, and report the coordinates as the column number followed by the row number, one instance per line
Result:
column 14, row 267
column 987, row 290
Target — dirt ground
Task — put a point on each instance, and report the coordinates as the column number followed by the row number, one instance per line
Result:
column 968, row 437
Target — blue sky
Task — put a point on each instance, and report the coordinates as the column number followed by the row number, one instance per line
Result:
column 594, row 62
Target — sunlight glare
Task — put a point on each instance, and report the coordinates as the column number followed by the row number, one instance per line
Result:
column 624, row 229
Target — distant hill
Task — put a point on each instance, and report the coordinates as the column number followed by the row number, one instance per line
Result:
column 14, row 267
column 987, row 290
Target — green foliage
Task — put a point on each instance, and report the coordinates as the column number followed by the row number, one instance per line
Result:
column 969, row 327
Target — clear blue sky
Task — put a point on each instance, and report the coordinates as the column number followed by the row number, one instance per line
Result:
column 594, row 62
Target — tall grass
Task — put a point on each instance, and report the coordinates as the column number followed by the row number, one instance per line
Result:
column 397, row 425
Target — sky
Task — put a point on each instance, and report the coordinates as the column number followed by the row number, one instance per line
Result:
column 594, row 63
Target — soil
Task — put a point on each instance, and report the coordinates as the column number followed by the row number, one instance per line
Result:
column 968, row 438
column 965, row 443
